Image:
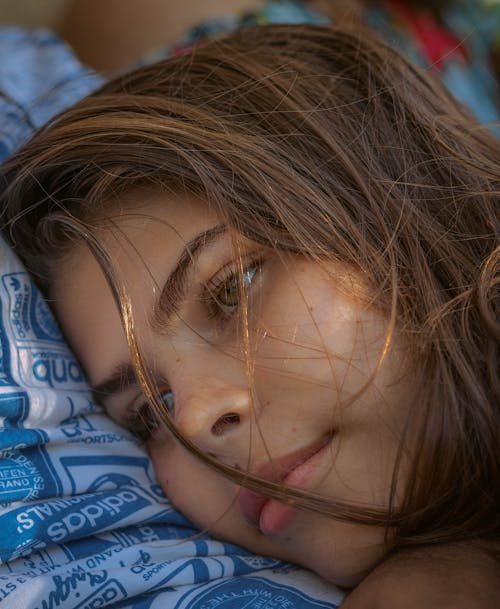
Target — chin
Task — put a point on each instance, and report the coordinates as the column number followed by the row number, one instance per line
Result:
column 344, row 558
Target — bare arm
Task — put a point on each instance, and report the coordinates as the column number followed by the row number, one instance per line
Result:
column 108, row 35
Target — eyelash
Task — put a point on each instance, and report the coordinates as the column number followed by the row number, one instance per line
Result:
column 216, row 308
column 142, row 421
column 140, row 424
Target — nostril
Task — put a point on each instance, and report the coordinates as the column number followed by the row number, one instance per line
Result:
column 225, row 421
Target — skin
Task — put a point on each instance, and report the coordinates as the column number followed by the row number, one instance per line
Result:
column 109, row 36
column 453, row 576
column 317, row 378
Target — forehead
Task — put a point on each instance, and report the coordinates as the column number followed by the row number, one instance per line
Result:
column 133, row 230
column 143, row 236
column 140, row 216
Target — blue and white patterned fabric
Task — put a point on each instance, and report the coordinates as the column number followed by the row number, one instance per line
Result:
column 39, row 76
column 83, row 523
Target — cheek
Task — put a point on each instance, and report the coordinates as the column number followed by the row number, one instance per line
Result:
column 191, row 486
column 309, row 336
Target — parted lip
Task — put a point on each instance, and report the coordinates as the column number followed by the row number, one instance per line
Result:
column 277, row 470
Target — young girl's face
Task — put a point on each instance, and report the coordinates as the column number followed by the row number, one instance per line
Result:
column 304, row 398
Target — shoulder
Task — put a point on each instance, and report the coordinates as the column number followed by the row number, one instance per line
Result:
column 454, row 576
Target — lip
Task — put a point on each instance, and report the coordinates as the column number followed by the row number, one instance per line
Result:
column 294, row 470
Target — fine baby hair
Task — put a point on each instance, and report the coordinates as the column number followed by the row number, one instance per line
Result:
column 324, row 147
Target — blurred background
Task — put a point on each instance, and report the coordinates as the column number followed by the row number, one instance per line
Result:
column 111, row 34
column 32, row 12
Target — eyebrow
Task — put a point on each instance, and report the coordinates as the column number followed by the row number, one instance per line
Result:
column 174, row 289
column 172, row 294
column 122, row 377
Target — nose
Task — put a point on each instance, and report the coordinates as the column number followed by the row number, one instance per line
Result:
column 211, row 411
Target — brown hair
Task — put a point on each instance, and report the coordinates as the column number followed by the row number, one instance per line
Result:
column 327, row 142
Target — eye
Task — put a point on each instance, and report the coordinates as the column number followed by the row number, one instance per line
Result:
column 167, row 397
column 225, row 289
column 142, row 420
